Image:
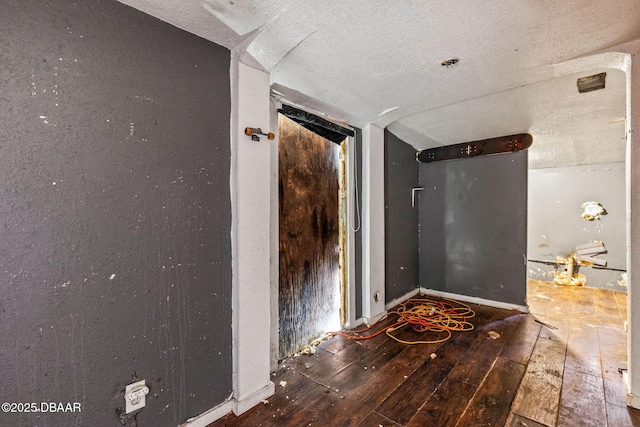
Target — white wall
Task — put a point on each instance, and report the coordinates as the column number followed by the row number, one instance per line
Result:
column 373, row 292
column 633, row 227
column 251, row 235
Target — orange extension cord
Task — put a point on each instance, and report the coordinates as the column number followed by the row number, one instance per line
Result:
column 424, row 315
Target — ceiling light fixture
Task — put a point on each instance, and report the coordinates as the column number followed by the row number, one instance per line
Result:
column 590, row 83
column 449, row 62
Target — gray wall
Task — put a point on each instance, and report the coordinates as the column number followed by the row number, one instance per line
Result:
column 401, row 220
column 115, row 216
column 556, row 226
column 473, row 227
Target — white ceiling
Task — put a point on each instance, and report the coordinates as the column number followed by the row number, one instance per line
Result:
column 379, row 61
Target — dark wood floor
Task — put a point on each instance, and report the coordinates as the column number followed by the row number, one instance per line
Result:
column 531, row 375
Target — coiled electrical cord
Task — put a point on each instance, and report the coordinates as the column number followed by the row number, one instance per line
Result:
column 423, row 315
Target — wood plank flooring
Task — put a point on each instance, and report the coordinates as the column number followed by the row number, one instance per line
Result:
column 556, row 366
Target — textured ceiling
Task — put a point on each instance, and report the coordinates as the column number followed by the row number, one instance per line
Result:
column 379, row 61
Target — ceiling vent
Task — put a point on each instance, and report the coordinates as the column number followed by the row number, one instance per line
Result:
column 588, row 84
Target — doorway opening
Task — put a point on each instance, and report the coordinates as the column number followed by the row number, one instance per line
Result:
column 312, row 213
column 566, row 244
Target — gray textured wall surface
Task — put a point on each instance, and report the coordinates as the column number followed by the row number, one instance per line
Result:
column 473, row 226
column 401, row 219
column 556, row 226
column 115, row 239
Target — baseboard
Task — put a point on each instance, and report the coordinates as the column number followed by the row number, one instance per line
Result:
column 243, row 405
column 463, row 298
column 633, row 401
column 232, row 405
column 374, row 319
column 213, row 414
column 401, row 299
column 476, row 300
column 352, row 325
column 390, row 304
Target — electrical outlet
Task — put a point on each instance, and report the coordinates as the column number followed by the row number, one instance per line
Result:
column 134, row 396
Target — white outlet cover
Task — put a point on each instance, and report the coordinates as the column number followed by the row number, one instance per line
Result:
column 134, row 396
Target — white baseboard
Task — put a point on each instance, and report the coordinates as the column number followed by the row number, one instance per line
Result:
column 476, row 300
column 232, row 405
column 463, row 298
column 401, row 299
column 633, row 401
column 374, row 319
column 213, row 414
column 352, row 325
column 243, row 405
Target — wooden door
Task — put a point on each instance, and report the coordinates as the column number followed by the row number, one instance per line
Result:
column 309, row 286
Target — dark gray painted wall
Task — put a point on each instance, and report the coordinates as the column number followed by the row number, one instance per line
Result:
column 473, row 226
column 556, row 226
column 115, row 245
column 401, row 220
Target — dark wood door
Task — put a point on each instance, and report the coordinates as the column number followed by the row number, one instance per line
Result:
column 309, row 299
